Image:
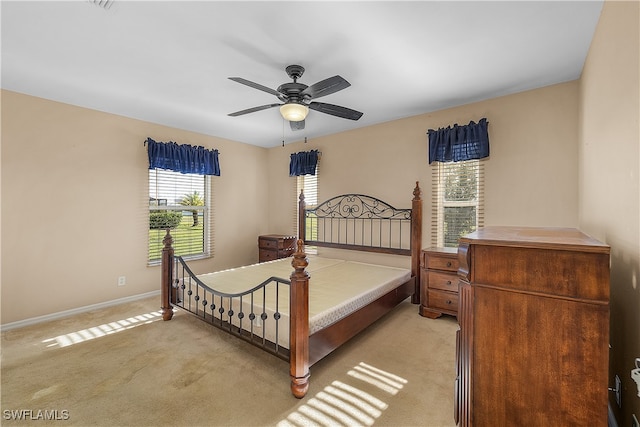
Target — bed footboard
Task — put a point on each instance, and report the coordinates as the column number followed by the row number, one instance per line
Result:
column 257, row 315
column 236, row 313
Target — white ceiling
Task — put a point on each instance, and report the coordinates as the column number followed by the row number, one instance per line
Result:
column 168, row 62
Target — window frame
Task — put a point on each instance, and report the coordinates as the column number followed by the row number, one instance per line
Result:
column 166, row 206
column 440, row 171
column 310, row 184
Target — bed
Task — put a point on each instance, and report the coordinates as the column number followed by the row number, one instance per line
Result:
column 303, row 307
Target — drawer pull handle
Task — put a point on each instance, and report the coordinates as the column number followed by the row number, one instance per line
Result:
column 448, row 263
column 449, row 301
column 449, row 282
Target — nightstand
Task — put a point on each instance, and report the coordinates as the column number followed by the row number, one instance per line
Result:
column 275, row 246
column 438, row 282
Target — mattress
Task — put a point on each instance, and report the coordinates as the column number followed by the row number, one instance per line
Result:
column 336, row 289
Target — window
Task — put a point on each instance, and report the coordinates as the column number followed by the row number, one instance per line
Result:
column 308, row 183
column 458, row 191
column 180, row 202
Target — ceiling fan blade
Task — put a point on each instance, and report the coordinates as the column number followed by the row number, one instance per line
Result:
column 253, row 110
column 336, row 110
column 326, row 87
column 255, row 85
column 297, row 125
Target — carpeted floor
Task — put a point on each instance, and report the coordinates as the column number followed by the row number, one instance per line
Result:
column 124, row 366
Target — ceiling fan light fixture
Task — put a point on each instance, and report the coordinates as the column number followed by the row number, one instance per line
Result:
column 294, row 112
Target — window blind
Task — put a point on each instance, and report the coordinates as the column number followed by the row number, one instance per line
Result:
column 180, row 202
column 457, row 200
column 308, row 183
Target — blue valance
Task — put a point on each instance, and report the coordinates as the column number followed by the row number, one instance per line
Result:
column 303, row 163
column 458, row 143
column 182, row 158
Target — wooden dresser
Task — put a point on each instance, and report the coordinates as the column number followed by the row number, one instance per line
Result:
column 438, row 282
column 533, row 343
column 275, row 246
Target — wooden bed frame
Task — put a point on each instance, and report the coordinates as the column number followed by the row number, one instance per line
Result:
column 304, row 349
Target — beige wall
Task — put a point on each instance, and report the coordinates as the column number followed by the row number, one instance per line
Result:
column 88, row 170
column 75, row 200
column 609, row 191
column 531, row 175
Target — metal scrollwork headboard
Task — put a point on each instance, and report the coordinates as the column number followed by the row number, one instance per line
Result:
column 359, row 222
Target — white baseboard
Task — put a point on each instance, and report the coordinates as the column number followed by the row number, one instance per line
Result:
column 67, row 313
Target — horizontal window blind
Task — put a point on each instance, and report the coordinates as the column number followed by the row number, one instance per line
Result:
column 458, row 200
column 308, row 183
column 180, row 202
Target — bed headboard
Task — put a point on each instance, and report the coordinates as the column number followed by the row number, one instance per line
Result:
column 363, row 223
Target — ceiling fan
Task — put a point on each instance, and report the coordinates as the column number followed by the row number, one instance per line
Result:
column 298, row 98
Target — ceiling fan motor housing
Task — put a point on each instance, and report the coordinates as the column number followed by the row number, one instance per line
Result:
column 292, row 92
column 298, row 98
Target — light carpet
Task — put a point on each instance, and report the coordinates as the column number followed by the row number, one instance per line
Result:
column 124, row 366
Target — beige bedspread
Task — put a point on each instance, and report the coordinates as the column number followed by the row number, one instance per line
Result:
column 336, row 289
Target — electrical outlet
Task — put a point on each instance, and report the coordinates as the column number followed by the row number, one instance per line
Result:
column 122, row 280
column 618, row 391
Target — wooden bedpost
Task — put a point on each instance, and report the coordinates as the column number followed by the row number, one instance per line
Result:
column 416, row 241
column 302, row 217
column 167, row 277
column 299, row 324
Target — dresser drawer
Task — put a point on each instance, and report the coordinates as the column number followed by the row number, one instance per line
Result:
column 275, row 246
column 277, row 241
column 265, row 243
column 443, row 281
column 268, row 255
column 442, row 262
column 445, row 301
